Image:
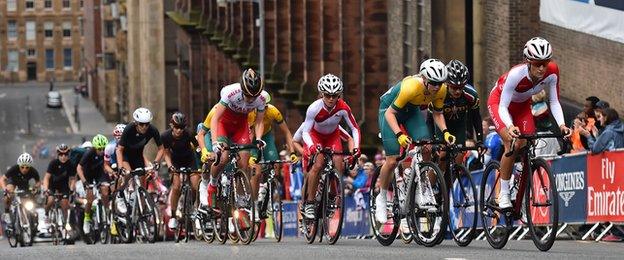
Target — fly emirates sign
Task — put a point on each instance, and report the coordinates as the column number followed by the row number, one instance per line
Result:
column 605, row 189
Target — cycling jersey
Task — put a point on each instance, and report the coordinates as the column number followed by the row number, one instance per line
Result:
column 271, row 114
column 321, row 125
column 233, row 126
column 134, row 142
column 181, row 148
column 462, row 114
column 297, row 137
column 60, row 174
column 109, row 152
column 206, row 124
column 407, row 97
column 93, row 167
column 510, row 100
column 15, row 177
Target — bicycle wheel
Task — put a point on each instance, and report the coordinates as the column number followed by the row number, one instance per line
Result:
column 274, row 209
column 493, row 221
column 333, row 210
column 11, row 230
column 463, row 210
column 26, row 230
column 542, row 205
column 54, row 229
column 187, row 215
column 146, row 224
column 428, row 219
column 385, row 233
column 104, row 229
column 244, row 207
column 220, row 219
column 309, row 227
column 208, row 228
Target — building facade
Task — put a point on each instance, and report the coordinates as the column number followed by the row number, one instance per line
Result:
column 40, row 40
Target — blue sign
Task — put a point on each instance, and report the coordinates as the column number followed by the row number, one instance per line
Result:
column 290, row 218
column 356, row 220
column 569, row 172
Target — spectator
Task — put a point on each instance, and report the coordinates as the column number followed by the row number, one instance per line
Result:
column 493, row 141
column 601, row 105
column 379, row 160
column 590, row 105
column 358, row 179
column 579, row 125
column 611, row 137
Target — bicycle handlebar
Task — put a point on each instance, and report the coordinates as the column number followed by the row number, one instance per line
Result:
column 531, row 137
column 404, row 151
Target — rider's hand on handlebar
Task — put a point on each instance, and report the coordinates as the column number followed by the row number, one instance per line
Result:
column 448, row 137
column 205, row 155
column 217, row 147
column 172, row 168
column 156, row 165
column 403, row 139
column 356, row 153
column 252, row 161
column 513, row 131
column 259, row 143
column 294, row 158
column 481, row 148
column 565, row 131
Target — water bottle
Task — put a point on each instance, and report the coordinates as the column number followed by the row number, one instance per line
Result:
column 262, row 192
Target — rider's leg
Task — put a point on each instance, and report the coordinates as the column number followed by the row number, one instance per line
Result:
column 313, row 178
column 195, row 179
column 104, row 193
column 90, row 198
column 175, row 193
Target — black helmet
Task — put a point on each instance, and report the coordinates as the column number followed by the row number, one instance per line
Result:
column 178, row 120
column 457, row 72
column 251, row 83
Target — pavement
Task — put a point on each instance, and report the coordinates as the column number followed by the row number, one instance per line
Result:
column 296, row 248
column 90, row 121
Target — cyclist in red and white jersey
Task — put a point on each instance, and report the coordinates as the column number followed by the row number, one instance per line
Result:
column 229, row 125
column 321, row 128
column 509, row 103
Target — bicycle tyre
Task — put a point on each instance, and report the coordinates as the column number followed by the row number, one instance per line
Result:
column 383, row 239
column 309, row 226
column 463, row 237
column 147, row 217
column 429, row 237
column 488, row 214
column 546, row 242
column 244, row 205
column 11, row 232
column 332, row 222
column 275, row 203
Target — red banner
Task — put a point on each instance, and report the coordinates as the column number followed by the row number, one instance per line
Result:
column 605, row 187
column 540, row 215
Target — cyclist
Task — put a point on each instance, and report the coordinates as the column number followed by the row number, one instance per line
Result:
column 269, row 153
column 59, row 178
column 400, row 106
column 461, row 109
column 509, row 103
column 90, row 170
column 18, row 177
column 133, row 140
column 179, row 146
column 110, row 158
column 298, row 139
column 230, row 124
column 321, row 128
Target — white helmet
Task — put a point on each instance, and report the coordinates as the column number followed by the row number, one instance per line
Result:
column 86, row 144
column 434, row 70
column 142, row 115
column 537, row 48
column 330, row 84
column 267, row 96
column 119, row 128
column 25, row 160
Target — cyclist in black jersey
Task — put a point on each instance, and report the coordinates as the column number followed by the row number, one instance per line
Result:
column 179, row 146
column 134, row 138
column 59, row 177
column 18, row 176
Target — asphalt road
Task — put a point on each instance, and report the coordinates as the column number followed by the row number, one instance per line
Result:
column 293, row 248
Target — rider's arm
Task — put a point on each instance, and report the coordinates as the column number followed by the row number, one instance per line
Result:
column 168, row 160
column 289, row 140
column 219, row 109
column 438, row 119
column 355, row 128
column 555, row 106
column 157, row 140
column 80, row 173
column 306, row 127
column 509, row 86
column 2, row 182
column 119, row 154
column 46, row 180
column 258, row 125
column 474, row 115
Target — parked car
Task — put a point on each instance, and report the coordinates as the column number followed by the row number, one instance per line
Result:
column 54, row 99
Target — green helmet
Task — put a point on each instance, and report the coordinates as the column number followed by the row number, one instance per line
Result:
column 99, row 141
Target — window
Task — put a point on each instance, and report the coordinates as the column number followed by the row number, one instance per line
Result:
column 31, row 32
column 47, row 4
column 30, row 4
column 81, row 3
column 66, row 4
column 67, row 58
column 109, row 29
column 67, row 29
column 109, row 61
column 13, row 60
column 49, row 58
column 31, row 53
column 12, row 30
column 11, row 5
column 48, row 29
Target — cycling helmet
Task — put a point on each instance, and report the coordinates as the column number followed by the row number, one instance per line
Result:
column 330, row 84
column 178, row 120
column 267, row 96
column 434, row 70
column 251, row 83
column 86, row 144
column 25, row 160
column 457, row 72
column 537, row 48
column 62, row 148
column 142, row 115
column 99, row 141
column 119, row 128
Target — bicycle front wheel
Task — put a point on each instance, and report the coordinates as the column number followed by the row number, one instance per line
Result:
column 333, row 207
column 493, row 220
column 147, row 225
column 463, row 210
column 428, row 204
column 11, row 231
column 243, row 208
column 275, row 209
column 542, row 205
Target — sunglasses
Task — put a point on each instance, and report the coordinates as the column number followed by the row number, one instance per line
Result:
column 179, row 127
column 331, row 96
column 539, row 63
column 24, row 167
column 63, row 154
column 143, row 124
column 434, row 84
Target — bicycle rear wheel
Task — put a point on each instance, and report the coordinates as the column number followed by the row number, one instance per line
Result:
column 385, row 233
column 333, row 207
column 542, row 205
column 244, row 207
column 463, row 210
column 494, row 222
column 428, row 223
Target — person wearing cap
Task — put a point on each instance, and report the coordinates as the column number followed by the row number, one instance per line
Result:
column 91, row 172
column 18, row 177
column 59, row 178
